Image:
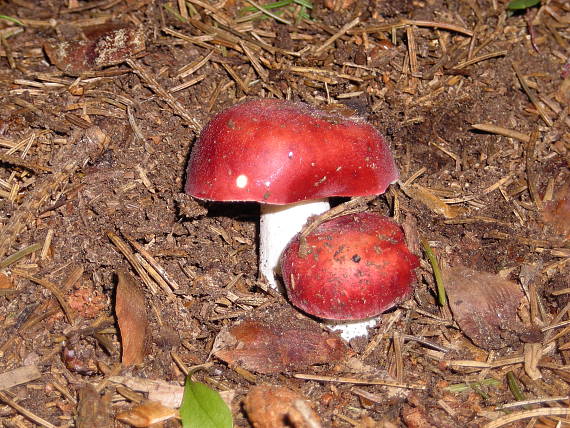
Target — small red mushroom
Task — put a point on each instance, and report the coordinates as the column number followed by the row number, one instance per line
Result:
column 289, row 157
column 354, row 267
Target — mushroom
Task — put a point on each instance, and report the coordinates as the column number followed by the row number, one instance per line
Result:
column 353, row 267
column 290, row 157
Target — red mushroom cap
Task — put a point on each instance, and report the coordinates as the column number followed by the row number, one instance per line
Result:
column 357, row 267
column 280, row 152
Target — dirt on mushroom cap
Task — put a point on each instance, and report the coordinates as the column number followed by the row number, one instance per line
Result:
column 358, row 266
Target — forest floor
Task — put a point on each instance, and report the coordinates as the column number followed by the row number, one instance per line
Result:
column 114, row 284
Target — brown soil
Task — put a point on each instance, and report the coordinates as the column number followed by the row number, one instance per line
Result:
column 116, row 143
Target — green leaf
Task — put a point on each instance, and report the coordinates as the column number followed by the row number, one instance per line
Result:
column 522, row 4
column 203, row 407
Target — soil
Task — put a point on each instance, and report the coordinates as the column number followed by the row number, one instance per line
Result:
column 95, row 135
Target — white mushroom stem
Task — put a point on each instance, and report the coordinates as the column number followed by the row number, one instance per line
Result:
column 277, row 226
column 352, row 329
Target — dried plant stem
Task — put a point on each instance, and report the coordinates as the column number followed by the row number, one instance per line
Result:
column 236, row 77
column 31, row 416
column 126, row 251
column 530, row 175
column 405, row 22
column 494, row 129
column 480, row 58
column 525, row 414
column 358, row 381
column 151, row 82
column 53, row 290
column 535, row 401
column 531, row 96
column 381, row 334
column 18, row 161
column 74, row 156
column 399, row 359
column 194, row 66
column 152, row 261
column 412, row 55
column 337, row 35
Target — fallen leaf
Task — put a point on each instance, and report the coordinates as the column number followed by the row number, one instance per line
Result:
column 92, row 409
column 557, row 212
column 111, row 46
column 269, row 406
column 433, row 202
column 274, row 348
column 146, row 414
column 133, row 322
column 485, row 307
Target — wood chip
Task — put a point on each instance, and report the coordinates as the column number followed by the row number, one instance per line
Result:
column 532, row 355
column 93, row 410
column 269, row 406
column 18, row 376
column 147, row 414
column 167, row 394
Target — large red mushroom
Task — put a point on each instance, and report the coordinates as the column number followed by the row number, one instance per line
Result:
column 350, row 268
column 289, row 157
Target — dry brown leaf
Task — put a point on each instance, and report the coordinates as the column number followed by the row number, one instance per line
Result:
column 265, row 348
column 146, row 414
column 102, row 48
column 132, row 318
column 434, row 203
column 485, row 307
column 557, row 212
column 269, row 406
